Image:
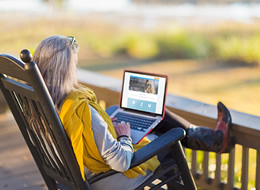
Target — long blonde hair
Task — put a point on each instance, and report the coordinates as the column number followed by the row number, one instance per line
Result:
column 56, row 57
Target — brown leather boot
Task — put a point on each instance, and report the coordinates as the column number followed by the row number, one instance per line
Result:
column 224, row 123
column 203, row 138
column 207, row 139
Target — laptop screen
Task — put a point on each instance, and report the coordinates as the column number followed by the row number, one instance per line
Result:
column 144, row 92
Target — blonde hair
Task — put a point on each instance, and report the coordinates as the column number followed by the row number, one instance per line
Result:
column 56, row 57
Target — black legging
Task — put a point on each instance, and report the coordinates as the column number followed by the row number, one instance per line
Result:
column 172, row 120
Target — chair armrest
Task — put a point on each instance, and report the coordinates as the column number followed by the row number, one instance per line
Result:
column 153, row 148
column 145, row 153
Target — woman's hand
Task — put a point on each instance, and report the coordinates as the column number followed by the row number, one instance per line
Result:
column 122, row 128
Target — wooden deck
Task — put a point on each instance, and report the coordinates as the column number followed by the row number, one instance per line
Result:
column 17, row 167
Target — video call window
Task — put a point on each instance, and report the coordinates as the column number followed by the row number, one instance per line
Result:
column 143, row 85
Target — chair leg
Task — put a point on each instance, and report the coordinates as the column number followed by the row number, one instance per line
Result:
column 186, row 175
column 180, row 179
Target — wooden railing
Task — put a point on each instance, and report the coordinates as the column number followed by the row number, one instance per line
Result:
column 246, row 129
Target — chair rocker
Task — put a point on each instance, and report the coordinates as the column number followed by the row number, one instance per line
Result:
column 27, row 97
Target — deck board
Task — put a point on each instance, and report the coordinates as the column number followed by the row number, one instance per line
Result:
column 17, row 167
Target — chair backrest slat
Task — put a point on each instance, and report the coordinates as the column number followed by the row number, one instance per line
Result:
column 19, row 87
column 39, row 122
column 11, row 67
column 54, row 160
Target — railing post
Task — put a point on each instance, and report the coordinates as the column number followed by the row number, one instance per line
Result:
column 244, row 177
column 231, row 164
column 194, row 163
column 205, row 166
column 217, row 180
column 257, row 178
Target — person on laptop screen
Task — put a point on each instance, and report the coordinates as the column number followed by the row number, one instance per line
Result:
column 101, row 143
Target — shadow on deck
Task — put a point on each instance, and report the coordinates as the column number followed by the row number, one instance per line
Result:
column 17, row 167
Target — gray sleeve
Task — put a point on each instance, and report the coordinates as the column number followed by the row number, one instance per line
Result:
column 117, row 155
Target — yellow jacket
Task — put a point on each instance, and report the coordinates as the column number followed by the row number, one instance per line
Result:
column 75, row 115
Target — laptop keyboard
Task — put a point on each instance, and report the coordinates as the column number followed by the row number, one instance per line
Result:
column 136, row 122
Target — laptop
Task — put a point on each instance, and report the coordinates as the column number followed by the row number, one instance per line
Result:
column 142, row 102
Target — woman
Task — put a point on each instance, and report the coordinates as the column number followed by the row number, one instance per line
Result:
column 149, row 89
column 99, row 142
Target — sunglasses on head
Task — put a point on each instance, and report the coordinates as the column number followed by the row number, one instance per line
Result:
column 73, row 40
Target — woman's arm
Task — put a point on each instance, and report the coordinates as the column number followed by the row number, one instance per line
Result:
column 117, row 154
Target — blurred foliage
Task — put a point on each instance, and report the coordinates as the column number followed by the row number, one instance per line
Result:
column 139, row 45
column 241, row 46
column 181, row 44
column 237, row 48
column 234, row 43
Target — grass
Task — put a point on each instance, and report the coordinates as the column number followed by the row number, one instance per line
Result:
column 233, row 43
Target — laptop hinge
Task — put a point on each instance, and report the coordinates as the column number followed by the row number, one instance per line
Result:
column 140, row 112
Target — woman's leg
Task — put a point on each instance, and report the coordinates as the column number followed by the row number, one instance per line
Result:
column 111, row 109
column 172, row 120
column 202, row 138
column 198, row 137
